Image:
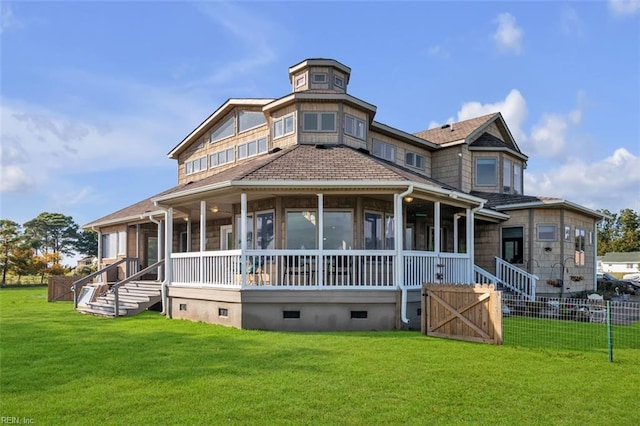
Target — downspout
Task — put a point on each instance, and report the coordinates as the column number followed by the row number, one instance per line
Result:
column 166, row 277
column 472, row 240
column 399, row 253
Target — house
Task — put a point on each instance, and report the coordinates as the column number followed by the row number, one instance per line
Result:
column 620, row 263
column 304, row 213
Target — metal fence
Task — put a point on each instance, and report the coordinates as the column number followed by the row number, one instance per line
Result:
column 571, row 324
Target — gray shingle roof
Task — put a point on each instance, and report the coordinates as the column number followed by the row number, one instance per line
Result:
column 455, row 132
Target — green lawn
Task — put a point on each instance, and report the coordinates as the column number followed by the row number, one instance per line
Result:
column 61, row 367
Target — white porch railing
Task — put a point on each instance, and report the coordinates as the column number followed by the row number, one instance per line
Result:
column 421, row 267
column 315, row 268
column 515, row 279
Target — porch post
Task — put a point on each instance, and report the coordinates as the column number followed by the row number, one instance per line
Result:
column 138, row 243
column 320, row 262
column 456, row 217
column 168, row 266
column 399, row 246
column 243, row 238
column 203, row 237
column 101, row 277
column 188, row 234
column 470, row 244
column 161, row 238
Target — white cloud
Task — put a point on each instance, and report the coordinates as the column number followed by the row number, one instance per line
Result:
column 549, row 137
column 611, row 183
column 39, row 144
column 508, row 36
column 624, row 7
column 513, row 109
column 8, row 21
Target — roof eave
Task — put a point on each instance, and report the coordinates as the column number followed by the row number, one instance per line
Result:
column 552, row 204
column 376, row 125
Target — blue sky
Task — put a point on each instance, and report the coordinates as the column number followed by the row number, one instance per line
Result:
column 95, row 94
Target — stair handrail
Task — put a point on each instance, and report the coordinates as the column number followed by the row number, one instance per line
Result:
column 82, row 281
column 116, row 286
column 530, row 279
column 485, row 277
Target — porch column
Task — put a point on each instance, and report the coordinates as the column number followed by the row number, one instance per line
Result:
column 138, row 243
column 188, row 234
column 203, row 237
column 320, row 262
column 456, row 232
column 399, row 240
column 595, row 255
column 99, row 250
column 470, row 244
column 168, row 265
column 243, row 238
column 161, row 237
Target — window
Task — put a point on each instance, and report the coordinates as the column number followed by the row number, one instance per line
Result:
column 486, row 171
column 384, row 150
column 338, row 81
column 194, row 166
column 250, row 119
column 283, row 126
column 378, row 233
column 319, row 121
column 109, row 245
column 319, row 78
column 338, row 230
column 546, row 232
column 222, row 157
column 517, row 178
column 264, row 231
column 513, row 244
column 122, row 242
column 354, row 127
column 507, row 165
column 590, row 238
column 225, row 130
column 567, row 233
column 580, row 246
column 252, row 148
column 414, row 160
column 373, row 230
column 301, row 229
column 301, row 80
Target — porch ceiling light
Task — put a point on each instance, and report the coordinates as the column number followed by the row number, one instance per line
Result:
column 214, row 209
column 408, row 199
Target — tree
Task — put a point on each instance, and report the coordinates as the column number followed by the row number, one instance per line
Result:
column 24, row 262
column 10, row 236
column 52, row 232
column 620, row 232
column 87, row 243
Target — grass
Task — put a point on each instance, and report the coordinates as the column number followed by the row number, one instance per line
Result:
column 61, row 367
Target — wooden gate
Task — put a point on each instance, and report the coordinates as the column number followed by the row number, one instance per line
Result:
column 59, row 288
column 464, row 312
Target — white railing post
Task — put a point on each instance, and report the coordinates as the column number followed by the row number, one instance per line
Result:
column 243, row 238
column 203, row 237
column 320, row 260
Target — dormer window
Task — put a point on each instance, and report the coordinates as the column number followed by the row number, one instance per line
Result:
column 414, row 160
column 319, row 121
column 283, row 126
column 354, row 127
column 486, row 172
column 517, row 178
column 384, row 150
column 247, row 120
column 224, row 130
column 507, row 167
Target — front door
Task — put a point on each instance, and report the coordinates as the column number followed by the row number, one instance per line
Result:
column 226, row 237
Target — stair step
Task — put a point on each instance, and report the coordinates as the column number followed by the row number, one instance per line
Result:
column 121, row 303
column 100, row 310
column 128, row 298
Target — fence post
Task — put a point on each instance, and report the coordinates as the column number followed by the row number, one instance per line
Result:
column 609, row 332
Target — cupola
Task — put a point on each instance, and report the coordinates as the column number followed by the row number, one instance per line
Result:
column 326, row 75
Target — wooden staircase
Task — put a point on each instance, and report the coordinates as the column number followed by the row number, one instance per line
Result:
column 133, row 298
